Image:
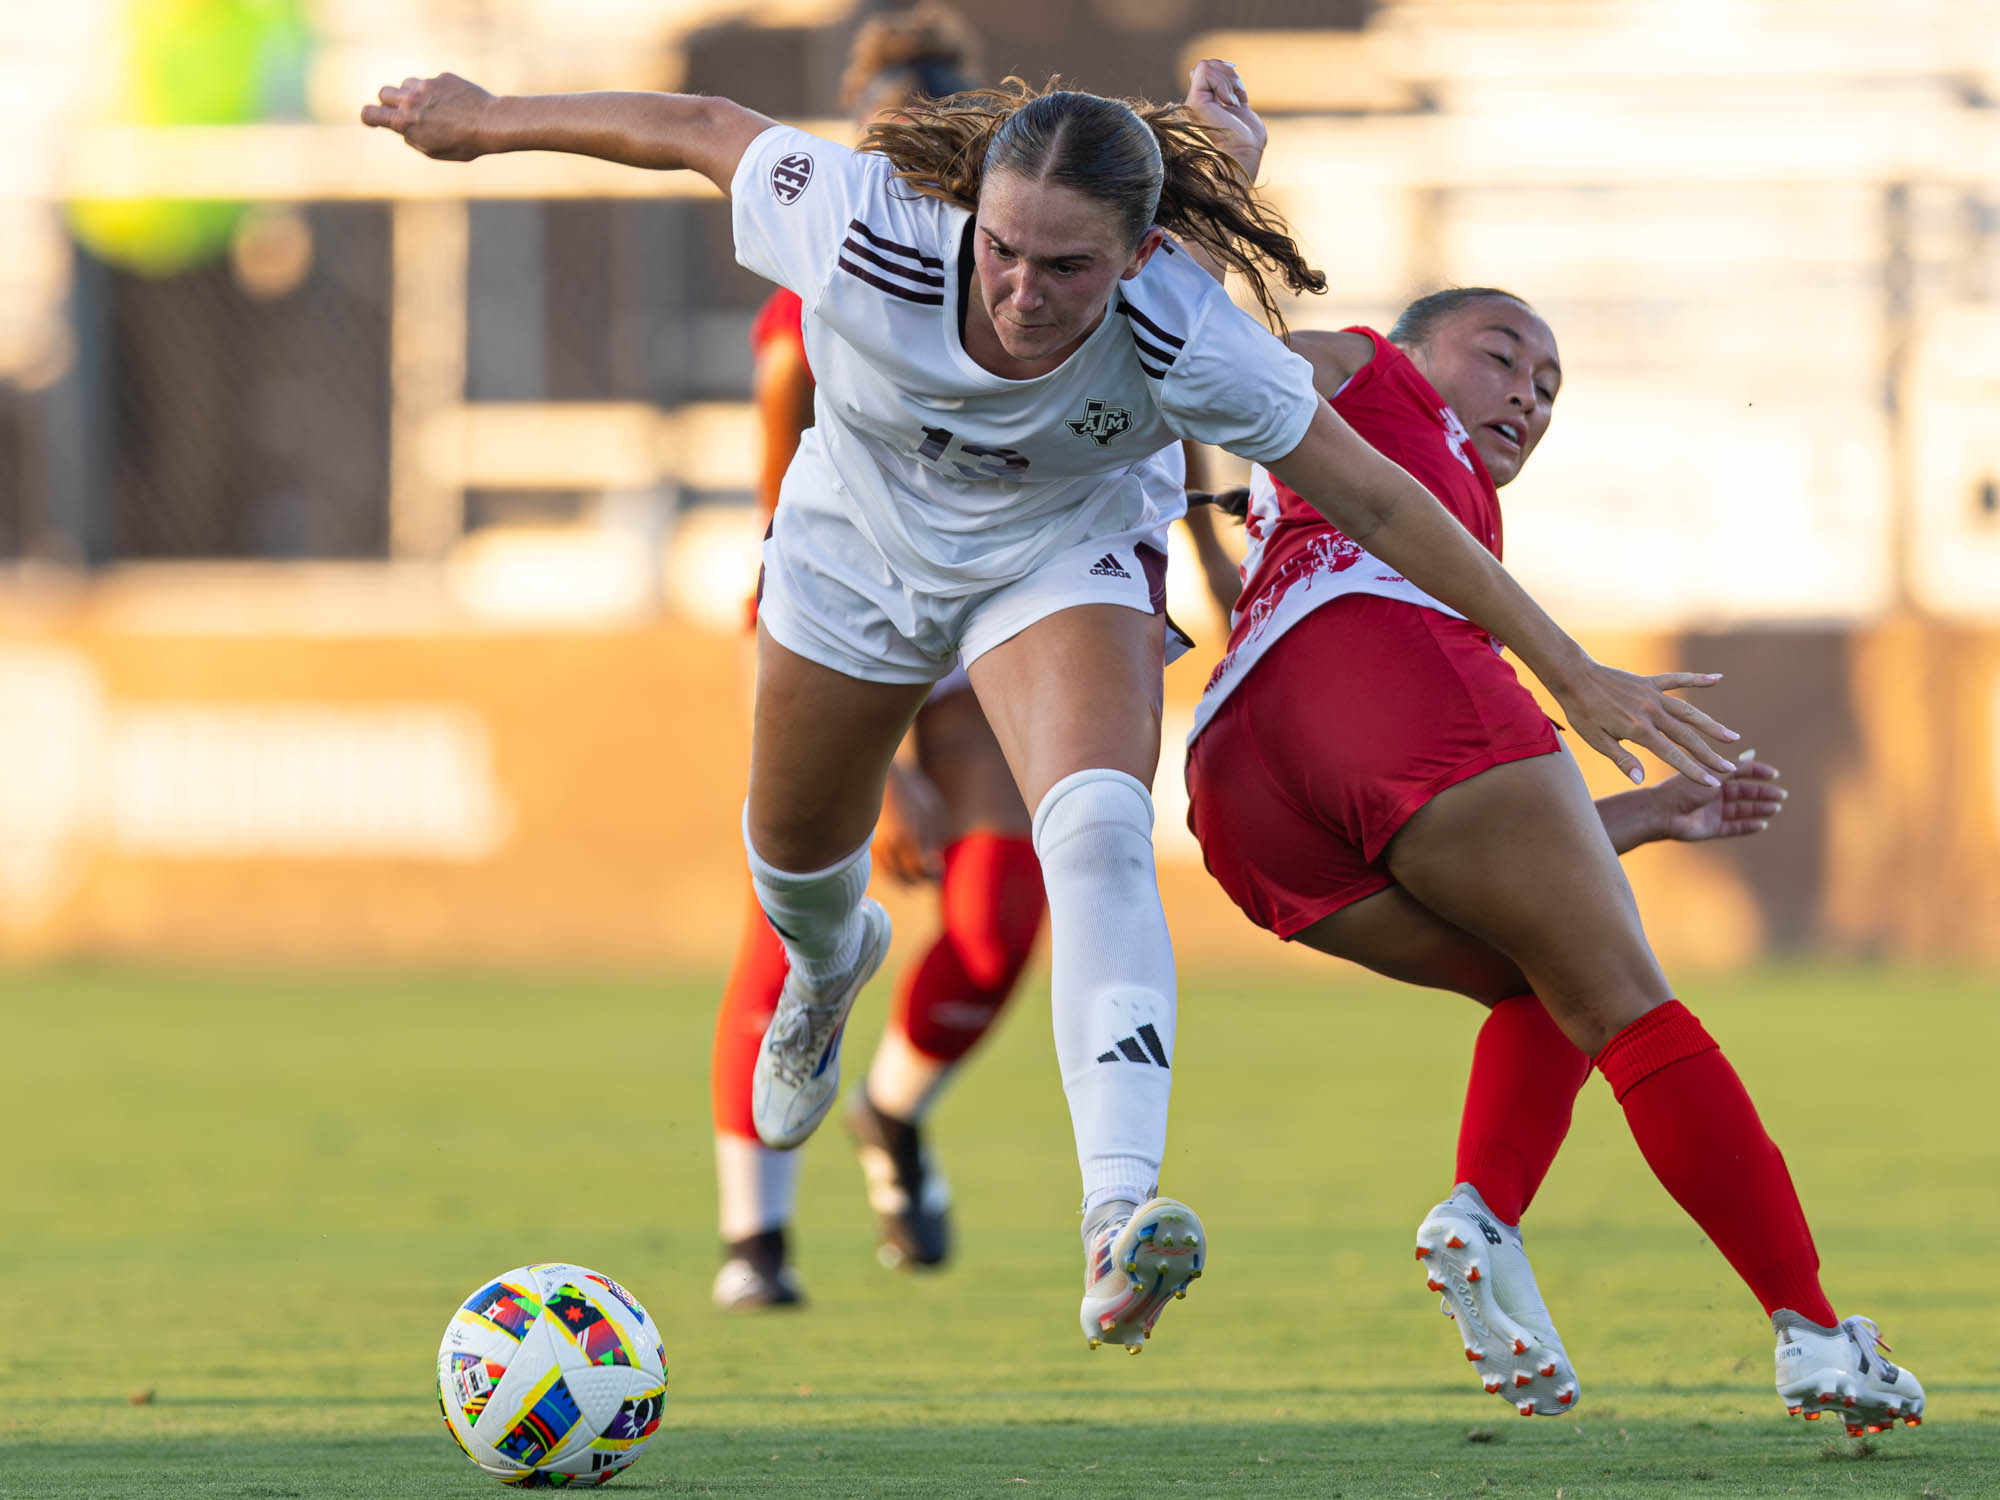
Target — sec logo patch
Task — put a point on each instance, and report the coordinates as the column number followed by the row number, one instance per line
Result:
column 791, row 176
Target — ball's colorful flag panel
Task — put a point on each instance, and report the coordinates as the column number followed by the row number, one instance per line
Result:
column 595, row 1335
column 503, row 1306
column 552, row 1415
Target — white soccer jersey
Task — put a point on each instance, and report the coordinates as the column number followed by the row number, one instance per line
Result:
column 965, row 480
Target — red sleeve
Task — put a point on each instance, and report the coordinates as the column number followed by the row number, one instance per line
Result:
column 781, row 317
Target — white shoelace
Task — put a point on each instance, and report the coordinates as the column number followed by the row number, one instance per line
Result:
column 799, row 1033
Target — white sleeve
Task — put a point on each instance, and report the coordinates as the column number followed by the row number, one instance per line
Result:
column 790, row 202
column 1236, row 386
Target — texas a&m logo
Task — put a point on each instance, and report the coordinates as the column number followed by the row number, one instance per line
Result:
column 791, row 176
column 1099, row 422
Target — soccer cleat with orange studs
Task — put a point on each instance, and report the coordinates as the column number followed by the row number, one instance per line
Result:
column 1843, row 1368
column 1135, row 1266
column 1487, row 1288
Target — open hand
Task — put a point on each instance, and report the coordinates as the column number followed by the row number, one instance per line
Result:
column 1607, row 707
column 440, row 116
column 1217, row 98
column 1745, row 803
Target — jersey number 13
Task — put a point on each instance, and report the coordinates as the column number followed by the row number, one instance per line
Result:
column 951, row 455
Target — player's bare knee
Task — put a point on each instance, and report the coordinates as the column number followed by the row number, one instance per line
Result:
column 1591, row 1012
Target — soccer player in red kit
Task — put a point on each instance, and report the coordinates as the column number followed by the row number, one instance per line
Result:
column 1368, row 777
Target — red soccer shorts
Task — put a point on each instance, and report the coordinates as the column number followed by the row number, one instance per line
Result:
column 1359, row 715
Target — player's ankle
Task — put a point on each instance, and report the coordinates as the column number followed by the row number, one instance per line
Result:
column 1110, row 1211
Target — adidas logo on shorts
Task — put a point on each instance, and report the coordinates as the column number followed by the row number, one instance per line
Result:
column 1133, row 1052
column 1107, row 567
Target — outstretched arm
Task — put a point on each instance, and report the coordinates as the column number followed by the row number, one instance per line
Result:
column 1386, row 511
column 452, row 119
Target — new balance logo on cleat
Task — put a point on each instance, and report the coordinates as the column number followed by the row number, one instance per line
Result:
column 1107, row 566
column 1843, row 1369
column 1487, row 1289
column 1133, row 1052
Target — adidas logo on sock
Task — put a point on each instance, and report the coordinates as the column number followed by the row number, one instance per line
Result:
column 1107, row 567
column 1133, row 1052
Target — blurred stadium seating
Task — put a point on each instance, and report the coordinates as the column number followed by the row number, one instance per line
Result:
column 419, row 501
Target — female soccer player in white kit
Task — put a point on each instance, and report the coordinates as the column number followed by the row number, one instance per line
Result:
column 1009, row 341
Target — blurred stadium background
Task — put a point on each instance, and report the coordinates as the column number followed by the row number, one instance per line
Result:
column 374, row 532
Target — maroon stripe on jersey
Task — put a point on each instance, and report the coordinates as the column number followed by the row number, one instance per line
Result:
column 883, row 244
column 1154, row 564
column 922, row 299
column 922, row 278
column 1149, row 325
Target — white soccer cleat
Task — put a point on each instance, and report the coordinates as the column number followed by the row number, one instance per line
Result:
column 1841, row 1370
column 1480, row 1269
column 798, row 1063
column 1135, row 1266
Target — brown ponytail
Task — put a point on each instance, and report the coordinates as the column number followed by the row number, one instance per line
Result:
column 1149, row 163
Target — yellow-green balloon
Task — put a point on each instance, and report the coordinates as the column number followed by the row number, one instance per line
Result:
column 191, row 62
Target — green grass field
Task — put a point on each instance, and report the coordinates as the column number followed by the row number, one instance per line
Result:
column 259, row 1199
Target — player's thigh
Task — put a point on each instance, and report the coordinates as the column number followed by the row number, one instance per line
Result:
column 1395, row 935
column 820, row 747
column 1516, row 856
column 959, row 752
column 1077, row 690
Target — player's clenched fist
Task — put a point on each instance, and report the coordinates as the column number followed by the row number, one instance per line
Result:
column 440, row 116
column 1217, row 98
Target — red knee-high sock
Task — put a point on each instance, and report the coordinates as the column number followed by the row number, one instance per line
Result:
column 1525, row 1078
column 755, row 981
column 1700, row 1134
column 993, row 905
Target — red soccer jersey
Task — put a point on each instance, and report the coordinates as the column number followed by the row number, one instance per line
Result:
column 1402, row 418
column 783, row 316
column 1297, row 561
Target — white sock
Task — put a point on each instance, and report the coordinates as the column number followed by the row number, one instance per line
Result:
column 756, row 1188
column 814, row 914
column 1112, row 977
column 902, row 1082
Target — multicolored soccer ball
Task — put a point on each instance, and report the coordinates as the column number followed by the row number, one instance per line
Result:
column 552, row 1375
